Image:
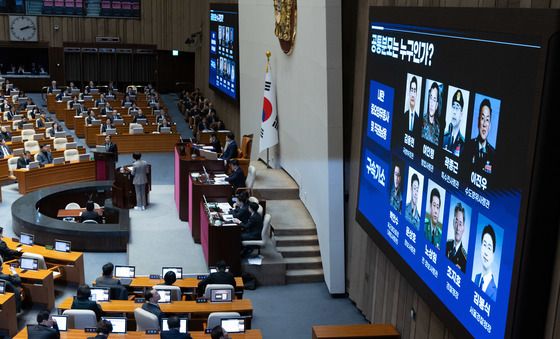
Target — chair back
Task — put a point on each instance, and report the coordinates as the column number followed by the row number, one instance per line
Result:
column 175, row 291
column 12, row 163
column 40, row 259
column 215, row 318
column 265, row 234
column 260, row 211
column 27, row 134
column 48, row 132
column 251, row 175
column 80, row 319
column 118, row 292
column 134, row 125
column 71, row 155
column 31, row 146
column 145, row 320
column 254, row 199
column 210, row 287
column 246, row 145
column 72, row 206
column 59, row 144
column 89, row 221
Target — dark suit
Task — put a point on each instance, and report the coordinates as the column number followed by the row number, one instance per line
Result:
column 103, row 281
column 6, row 152
column 112, row 148
column 217, row 146
column 86, row 304
column 6, row 136
column 104, row 127
column 454, row 147
column 90, row 215
column 44, row 158
column 241, row 213
column 417, row 125
column 216, row 278
column 252, row 228
column 481, row 160
column 43, row 332
column 13, row 284
column 459, row 257
column 230, row 151
column 237, row 178
column 174, row 334
column 6, row 252
column 154, row 309
column 22, row 162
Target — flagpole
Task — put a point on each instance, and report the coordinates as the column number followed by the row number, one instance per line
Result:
column 268, row 54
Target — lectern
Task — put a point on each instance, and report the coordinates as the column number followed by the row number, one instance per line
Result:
column 124, row 194
column 105, row 165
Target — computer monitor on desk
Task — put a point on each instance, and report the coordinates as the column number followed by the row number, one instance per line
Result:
column 118, row 323
column 26, row 239
column 118, row 122
column 71, row 145
column 58, row 161
column 28, row 126
column 208, row 154
column 100, row 148
column 38, row 137
column 96, row 122
column 178, row 271
column 94, row 90
column 2, row 286
column 61, row 322
column 233, row 325
column 182, row 325
column 100, row 294
column 33, row 164
column 62, row 245
column 60, row 134
column 17, row 138
column 111, row 131
column 165, row 130
column 137, row 130
column 84, row 157
column 142, row 121
column 29, row 264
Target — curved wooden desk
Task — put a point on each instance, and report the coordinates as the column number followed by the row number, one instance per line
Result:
column 50, row 175
column 130, row 143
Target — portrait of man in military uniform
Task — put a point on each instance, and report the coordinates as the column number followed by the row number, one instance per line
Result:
column 395, row 198
column 454, row 137
column 414, row 197
column 455, row 250
column 479, row 151
column 434, row 219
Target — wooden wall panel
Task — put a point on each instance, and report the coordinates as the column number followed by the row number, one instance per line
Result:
column 379, row 290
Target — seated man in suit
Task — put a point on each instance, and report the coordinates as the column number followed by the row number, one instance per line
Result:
column 22, row 122
column 82, row 302
column 70, row 104
column 5, row 150
column 132, row 110
column 251, row 230
column 217, row 147
column 106, row 279
column 13, row 284
column 43, row 119
column 107, row 125
column 10, row 114
column 220, row 277
column 46, row 327
column 101, row 100
column 111, row 147
column 241, row 207
column 230, row 148
column 108, row 111
column 104, row 327
column 45, row 156
column 24, row 160
column 5, row 134
column 174, row 325
column 140, row 115
column 55, row 128
column 236, row 178
column 151, row 305
column 6, row 253
column 91, row 117
column 89, row 213
column 52, row 87
column 163, row 123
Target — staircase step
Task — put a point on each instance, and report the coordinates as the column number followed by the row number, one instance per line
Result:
column 279, row 231
column 296, row 240
column 303, row 263
column 304, row 276
column 276, row 193
column 299, row 251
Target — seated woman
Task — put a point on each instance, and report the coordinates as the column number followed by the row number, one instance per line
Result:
column 163, row 123
column 55, row 128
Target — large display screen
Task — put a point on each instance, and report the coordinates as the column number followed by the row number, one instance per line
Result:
column 446, row 156
column 224, row 49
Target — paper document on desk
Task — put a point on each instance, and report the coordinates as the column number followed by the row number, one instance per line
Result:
column 221, row 176
column 208, row 147
column 129, row 168
column 255, row 260
column 224, row 206
column 227, row 217
column 195, row 175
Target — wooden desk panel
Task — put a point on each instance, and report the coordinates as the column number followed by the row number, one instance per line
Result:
column 80, row 334
column 356, row 331
column 92, row 132
column 8, row 320
column 30, row 180
column 4, row 171
column 147, row 142
column 38, row 285
column 79, row 126
column 186, row 283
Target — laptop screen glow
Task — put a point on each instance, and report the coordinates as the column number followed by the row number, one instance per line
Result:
column 62, row 246
column 61, row 322
column 220, row 296
column 29, row 264
column 124, row 271
column 165, row 296
column 99, row 294
column 119, row 324
column 26, row 239
column 178, row 271
column 182, row 325
column 233, row 325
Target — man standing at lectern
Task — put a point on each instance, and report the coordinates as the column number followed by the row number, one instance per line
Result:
column 111, row 147
column 140, row 172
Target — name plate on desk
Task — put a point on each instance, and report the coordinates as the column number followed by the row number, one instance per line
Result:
column 155, row 276
column 201, row 300
column 90, row 329
column 152, row 331
column 201, row 276
column 139, row 300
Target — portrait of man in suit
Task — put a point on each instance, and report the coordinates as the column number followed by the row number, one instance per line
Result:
column 411, row 120
column 485, row 279
column 479, row 151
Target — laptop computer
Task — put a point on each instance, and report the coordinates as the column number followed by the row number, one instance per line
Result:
column 28, row 126
column 29, row 264
column 214, row 269
column 142, row 121
column 164, row 296
column 33, row 164
column 94, row 90
column 99, row 294
column 26, row 239
column 100, row 148
column 137, row 130
column 61, row 322
column 118, row 323
column 62, row 245
column 18, row 152
column 125, row 274
column 84, row 157
column 60, row 134
column 127, row 104
column 233, row 325
column 111, row 131
column 178, row 271
column 165, row 130
column 209, row 155
column 118, row 122
column 38, row 137
column 183, row 322
column 96, row 122
column 17, row 138
column 2, row 286
column 71, row 145
column 220, row 296
column 58, row 161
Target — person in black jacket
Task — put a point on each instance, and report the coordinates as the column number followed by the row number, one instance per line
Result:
column 104, row 327
column 6, row 253
column 253, row 227
column 220, row 277
column 237, row 177
column 151, row 305
column 24, row 160
column 82, row 302
column 46, row 327
column 89, row 213
column 230, row 147
column 241, row 210
column 217, row 147
column 174, row 325
column 13, row 284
